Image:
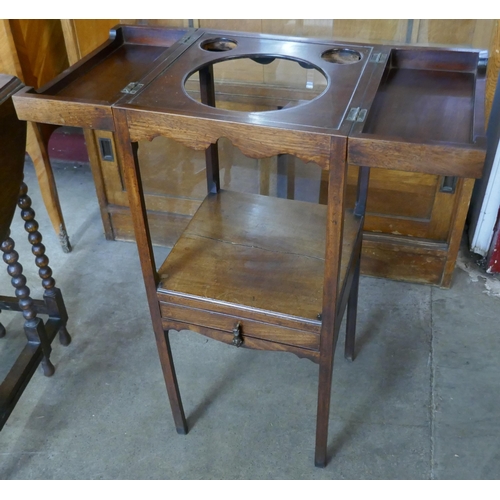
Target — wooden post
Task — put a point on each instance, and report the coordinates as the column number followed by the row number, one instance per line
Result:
column 493, row 70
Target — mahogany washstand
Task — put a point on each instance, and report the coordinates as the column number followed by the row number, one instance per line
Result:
column 256, row 271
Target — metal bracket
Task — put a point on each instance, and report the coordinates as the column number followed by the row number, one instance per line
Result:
column 237, row 339
column 482, row 62
column 106, row 149
column 188, row 36
column 132, row 88
column 448, row 184
column 356, row 115
column 378, row 57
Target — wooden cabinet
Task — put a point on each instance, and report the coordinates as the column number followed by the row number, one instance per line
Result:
column 33, row 51
column 414, row 221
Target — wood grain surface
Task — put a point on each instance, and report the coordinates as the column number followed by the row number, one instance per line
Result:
column 265, row 243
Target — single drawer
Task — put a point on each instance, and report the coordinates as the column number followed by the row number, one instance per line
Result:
column 240, row 327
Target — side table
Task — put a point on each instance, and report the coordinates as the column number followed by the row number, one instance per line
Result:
column 251, row 270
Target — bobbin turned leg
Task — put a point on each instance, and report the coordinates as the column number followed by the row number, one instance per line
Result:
column 52, row 295
column 33, row 326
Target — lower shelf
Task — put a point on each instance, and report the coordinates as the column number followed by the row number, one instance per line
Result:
column 383, row 256
column 254, row 257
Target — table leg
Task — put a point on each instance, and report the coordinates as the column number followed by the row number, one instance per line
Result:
column 36, row 147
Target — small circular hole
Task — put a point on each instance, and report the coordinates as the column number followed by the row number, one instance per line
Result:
column 341, row 56
column 218, row 44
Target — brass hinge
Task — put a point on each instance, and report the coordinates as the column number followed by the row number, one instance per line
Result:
column 356, row 115
column 132, row 88
column 187, row 38
column 378, row 57
column 482, row 62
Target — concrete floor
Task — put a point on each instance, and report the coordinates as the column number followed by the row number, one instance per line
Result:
column 421, row 401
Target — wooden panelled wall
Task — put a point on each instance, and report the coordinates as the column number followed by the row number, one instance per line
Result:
column 39, row 48
column 493, row 68
column 413, row 229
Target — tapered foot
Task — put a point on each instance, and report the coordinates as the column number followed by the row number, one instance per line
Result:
column 64, row 336
column 171, row 382
column 3, row 332
column 64, row 240
column 349, row 355
column 352, row 311
column 182, row 430
column 47, row 367
column 350, row 338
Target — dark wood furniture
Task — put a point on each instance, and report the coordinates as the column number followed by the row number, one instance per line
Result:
column 33, row 51
column 252, row 270
column 13, row 192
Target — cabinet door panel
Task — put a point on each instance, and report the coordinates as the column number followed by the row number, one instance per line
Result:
column 82, row 36
column 171, row 169
column 405, row 194
column 464, row 32
column 41, row 50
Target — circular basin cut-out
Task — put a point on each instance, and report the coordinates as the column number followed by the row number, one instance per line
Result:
column 341, row 56
column 218, row 44
column 261, row 83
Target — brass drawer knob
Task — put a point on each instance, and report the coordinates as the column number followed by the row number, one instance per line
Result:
column 237, row 339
